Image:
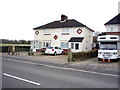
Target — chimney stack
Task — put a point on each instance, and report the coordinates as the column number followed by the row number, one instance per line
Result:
column 64, row 17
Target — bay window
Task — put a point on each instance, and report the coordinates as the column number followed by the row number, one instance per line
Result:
column 64, row 45
column 46, row 44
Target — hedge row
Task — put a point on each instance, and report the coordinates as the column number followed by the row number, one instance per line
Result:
column 84, row 55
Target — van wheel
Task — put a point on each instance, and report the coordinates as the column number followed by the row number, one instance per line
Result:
column 55, row 53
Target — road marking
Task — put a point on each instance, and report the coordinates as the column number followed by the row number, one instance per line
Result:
column 105, row 74
column 18, row 78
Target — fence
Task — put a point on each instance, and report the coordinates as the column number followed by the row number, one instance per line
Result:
column 17, row 48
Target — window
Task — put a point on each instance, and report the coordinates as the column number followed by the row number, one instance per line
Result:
column 46, row 44
column 65, row 31
column 77, row 46
column 113, row 37
column 103, row 38
column 47, row 32
column 49, row 47
column 64, row 45
column 40, row 44
column 72, row 45
column 36, row 44
column 111, row 29
column 56, row 47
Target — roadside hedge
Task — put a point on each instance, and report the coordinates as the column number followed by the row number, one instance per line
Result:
column 84, row 55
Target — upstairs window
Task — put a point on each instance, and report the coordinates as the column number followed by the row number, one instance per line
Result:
column 47, row 32
column 65, row 31
column 111, row 29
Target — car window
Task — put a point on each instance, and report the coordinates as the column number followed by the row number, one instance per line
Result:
column 59, row 48
column 56, row 47
column 49, row 47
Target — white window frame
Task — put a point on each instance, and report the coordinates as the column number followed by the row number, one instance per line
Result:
column 65, row 31
column 47, row 32
column 64, row 45
column 72, row 45
column 78, row 46
column 111, row 29
column 45, row 44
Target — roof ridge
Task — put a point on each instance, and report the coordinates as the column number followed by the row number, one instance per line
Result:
column 58, row 24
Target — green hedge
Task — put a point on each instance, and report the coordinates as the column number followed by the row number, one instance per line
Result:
column 30, row 53
column 84, row 55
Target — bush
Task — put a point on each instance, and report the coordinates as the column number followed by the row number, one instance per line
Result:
column 30, row 53
column 84, row 55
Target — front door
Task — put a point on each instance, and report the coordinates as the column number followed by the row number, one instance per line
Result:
column 75, row 47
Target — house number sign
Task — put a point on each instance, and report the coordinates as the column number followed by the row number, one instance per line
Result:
column 55, row 37
column 36, row 32
column 79, row 31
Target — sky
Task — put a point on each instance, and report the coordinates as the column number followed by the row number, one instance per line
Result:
column 19, row 17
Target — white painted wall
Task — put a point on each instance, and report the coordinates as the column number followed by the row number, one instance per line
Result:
column 116, row 28
column 86, row 33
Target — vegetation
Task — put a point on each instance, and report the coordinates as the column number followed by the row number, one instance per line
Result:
column 20, row 45
column 30, row 53
column 84, row 55
column 6, row 41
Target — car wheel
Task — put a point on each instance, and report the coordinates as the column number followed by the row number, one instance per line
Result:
column 55, row 53
column 62, row 53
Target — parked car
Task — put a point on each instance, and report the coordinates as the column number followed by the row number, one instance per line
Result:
column 54, row 50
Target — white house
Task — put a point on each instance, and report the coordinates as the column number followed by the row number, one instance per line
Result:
column 65, row 33
column 113, row 26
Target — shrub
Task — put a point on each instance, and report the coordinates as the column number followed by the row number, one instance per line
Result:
column 30, row 53
column 84, row 55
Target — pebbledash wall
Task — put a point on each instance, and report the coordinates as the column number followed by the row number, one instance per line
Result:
column 78, row 38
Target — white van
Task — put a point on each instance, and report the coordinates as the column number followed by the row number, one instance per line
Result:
column 109, row 47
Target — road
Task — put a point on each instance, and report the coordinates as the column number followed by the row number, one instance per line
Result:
column 17, row 73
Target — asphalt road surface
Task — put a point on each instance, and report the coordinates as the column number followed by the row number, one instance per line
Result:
column 24, row 74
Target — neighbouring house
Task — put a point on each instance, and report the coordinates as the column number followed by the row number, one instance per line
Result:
column 113, row 26
column 65, row 33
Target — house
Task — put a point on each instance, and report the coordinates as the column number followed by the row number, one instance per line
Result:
column 113, row 26
column 65, row 33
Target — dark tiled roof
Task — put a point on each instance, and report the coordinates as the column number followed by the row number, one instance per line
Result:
column 59, row 24
column 115, row 20
column 76, row 39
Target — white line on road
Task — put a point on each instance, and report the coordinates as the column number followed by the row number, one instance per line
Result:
column 105, row 74
column 18, row 78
